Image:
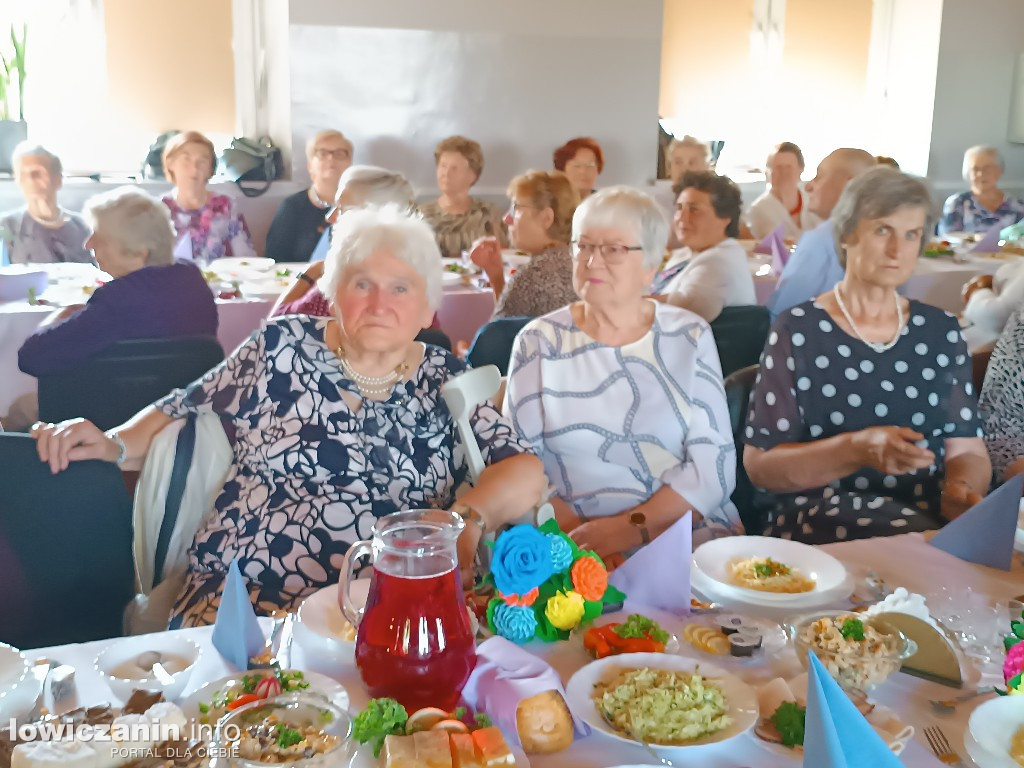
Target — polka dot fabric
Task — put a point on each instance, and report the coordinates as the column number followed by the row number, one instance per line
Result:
column 817, row 381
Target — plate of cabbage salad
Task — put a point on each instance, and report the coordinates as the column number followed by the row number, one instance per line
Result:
column 670, row 702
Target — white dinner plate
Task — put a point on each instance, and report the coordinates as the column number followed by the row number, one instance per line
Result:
column 318, row 683
column 990, row 729
column 714, row 559
column 773, row 639
column 320, row 623
column 237, row 264
column 514, row 258
column 451, row 278
column 364, row 757
column 741, row 699
column 709, row 590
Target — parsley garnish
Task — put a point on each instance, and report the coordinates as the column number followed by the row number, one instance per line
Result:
column 852, row 629
column 286, row 737
column 640, row 626
column 770, row 568
column 789, row 721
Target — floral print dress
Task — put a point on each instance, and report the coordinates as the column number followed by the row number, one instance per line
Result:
column 309, row 475
column 217, row 230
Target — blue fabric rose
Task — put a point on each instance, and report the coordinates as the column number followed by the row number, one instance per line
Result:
column 521, row 560
column 515, row 622
column 561, row 552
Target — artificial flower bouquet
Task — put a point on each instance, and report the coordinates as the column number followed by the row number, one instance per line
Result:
column 1013, row 667
column 545, row 585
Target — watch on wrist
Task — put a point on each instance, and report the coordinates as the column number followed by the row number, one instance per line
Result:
column 303, row 276
column 470, row 515
column 639, row 521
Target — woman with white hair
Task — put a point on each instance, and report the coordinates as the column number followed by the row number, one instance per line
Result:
column 863, row 420
column 359, row 185
column 984, row 205
column 622, row 396
column 686, row 154
column 150, row 297
column 300, row 219
column 339, row 421
column 42, row 231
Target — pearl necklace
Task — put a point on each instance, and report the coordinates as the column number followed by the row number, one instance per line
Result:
column 877, row 346
column 371, row 386
column 321, row 203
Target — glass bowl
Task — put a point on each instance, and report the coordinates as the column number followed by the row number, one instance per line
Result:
column 238, row 735
column 854, row 665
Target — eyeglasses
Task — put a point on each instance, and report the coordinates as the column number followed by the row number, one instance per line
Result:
column 574, row 164
column 612, row 253
column 337, row 154
column 517, row 207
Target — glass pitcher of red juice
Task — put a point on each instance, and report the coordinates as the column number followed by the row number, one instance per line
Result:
column 413, row 641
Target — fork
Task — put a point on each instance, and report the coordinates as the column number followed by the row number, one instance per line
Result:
column 940, row 746
column 946, row 706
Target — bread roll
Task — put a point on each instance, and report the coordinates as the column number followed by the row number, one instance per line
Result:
column 544, row 723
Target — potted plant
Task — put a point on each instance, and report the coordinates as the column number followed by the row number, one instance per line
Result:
column 12, row 131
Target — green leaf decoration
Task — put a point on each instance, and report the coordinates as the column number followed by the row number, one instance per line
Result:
column 1018, row 628
column 490, row 614
column 591, row 610
column 1009, row 641
column 550, row 526
column 613, row 595
column 1015, row 681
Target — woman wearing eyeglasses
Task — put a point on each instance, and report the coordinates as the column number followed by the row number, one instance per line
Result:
column 539, row 223
column 621, row 396
column 299, row 221
column 582, row 160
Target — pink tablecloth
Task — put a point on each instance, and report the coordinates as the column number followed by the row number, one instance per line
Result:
column 463, row 310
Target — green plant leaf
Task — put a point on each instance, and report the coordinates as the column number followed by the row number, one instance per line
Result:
column 591, row 610
column 613, row 595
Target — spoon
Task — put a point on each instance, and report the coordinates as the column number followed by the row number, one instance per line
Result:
column 150, row 662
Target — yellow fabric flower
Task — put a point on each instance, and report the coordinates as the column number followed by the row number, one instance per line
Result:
column 565, row 610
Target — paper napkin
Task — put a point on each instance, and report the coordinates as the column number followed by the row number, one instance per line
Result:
column 984, row 533
column 990, row 242
column 236, row 632
column 658, row 575
column 780, row 255
column 183, row 248
column 504, row 675
column 777, row 235
column 836, row 735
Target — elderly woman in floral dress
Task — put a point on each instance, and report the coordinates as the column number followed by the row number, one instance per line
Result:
column 339, row 421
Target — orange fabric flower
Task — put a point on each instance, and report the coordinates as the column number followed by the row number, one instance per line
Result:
column 523, row 600
column 589, row 578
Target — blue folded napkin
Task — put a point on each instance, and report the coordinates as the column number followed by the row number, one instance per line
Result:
column 780, row 255
column 984, row 533
column 236, row 632
column 322, row 246
column 777, row 236
column 990, row 242
column 658, row 575
column 836, row 735
column 183, row 248
column 5, row 258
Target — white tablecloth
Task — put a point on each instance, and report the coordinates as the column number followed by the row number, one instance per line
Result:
column 463, row 310
column 901, row 560
column 934, row 281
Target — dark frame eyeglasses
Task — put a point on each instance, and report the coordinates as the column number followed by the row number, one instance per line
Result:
column 611, row 253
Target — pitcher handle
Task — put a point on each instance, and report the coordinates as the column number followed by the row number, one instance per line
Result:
column 357, row 551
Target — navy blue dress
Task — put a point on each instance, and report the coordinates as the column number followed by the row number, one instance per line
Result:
column 817, row 381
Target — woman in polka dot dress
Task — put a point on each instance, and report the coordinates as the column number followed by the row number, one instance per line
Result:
column 863, row 420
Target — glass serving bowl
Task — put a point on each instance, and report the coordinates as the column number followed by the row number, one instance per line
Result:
column 854, row 665
column 237, row 740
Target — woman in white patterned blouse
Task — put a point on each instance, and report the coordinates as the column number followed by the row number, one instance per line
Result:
column 621, row 396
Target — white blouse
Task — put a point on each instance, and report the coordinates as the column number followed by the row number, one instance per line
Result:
column 615, row 424
column 767, row 212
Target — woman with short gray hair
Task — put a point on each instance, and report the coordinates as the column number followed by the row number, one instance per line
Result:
column 984, row 205
column 41, row 232
column 338, row 422
column 863, row 420
column 150, row 296
column 622, row 396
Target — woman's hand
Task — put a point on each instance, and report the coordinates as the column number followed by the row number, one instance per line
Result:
column 606, row 535
column 74, row 440
column 975, row 284
column 486, row 254
column 892, row 450
column 957, row 497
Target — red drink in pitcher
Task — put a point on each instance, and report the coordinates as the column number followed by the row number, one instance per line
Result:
column 414, row 642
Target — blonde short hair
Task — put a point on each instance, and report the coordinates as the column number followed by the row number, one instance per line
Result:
column 548, row 189
column 27, row 149
column 137, row 221
column 319, row 136
column 630, row 210
column 689, row 142
column 468, row 148
column 363, row 231
column 176, row 143
column 377, row 186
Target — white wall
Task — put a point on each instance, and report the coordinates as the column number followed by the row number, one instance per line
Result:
column 978, row 48
column 521, row 79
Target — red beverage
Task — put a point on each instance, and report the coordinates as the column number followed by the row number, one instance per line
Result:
column 414, row 642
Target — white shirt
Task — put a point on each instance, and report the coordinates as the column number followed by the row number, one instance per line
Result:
column 989, row 309
column 767, row 212
column 711, row 280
